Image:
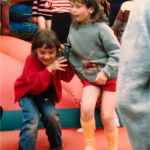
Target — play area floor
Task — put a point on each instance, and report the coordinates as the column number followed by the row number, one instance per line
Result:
column 72, row 140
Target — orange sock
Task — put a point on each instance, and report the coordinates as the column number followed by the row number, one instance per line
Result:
column 111, row 138
column 88, row 131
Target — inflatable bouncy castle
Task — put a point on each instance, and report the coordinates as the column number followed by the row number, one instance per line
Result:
column 13, row 54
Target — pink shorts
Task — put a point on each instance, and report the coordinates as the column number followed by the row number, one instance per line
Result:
column 110, row 85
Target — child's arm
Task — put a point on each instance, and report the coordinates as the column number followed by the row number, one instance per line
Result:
column 101, row 78
column 65, row 50
column 37, row 79
column 68, row 74
column 34, row 11
column 48, row 4
column 58, row 64
column 112, row 48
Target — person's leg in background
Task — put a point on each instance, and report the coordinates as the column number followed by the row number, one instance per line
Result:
column 5, row 26
column 60, row 25
column 48, row 24
column 41, row 23
column 0, row 17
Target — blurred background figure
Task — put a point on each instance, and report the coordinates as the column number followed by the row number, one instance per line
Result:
column 4, row 17
column 61, row 18
column 105, row 6
column 133, row 87
column 41, row 15
column 114, row 9
column 122, row 19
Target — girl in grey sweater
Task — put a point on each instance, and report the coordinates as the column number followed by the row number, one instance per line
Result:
column 93, row 52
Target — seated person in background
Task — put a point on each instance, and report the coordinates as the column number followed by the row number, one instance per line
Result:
column 122, row 19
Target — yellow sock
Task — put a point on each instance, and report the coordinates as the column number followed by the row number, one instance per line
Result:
column 111, row 138
column 89, row 131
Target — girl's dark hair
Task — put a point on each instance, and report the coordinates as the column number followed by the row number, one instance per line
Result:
column 46, row 38
column 97, row 15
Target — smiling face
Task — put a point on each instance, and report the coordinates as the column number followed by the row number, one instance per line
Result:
column 80, row 12
column 46, row 55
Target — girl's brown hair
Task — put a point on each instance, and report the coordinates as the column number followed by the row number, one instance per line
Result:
column 46, row 38
column 97, row 15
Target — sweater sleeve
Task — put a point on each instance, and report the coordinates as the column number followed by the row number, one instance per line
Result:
column 35, row 8
column 67, row 75
column 36, row 79
column 66, row 49
column 112, row 48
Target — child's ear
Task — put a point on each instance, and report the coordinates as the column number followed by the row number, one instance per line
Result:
column 91, row 10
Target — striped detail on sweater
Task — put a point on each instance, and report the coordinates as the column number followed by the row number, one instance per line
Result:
column 59, row 6
column 39, row 9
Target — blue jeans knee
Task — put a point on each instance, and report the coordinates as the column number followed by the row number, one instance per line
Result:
column 32, row 106
column 51, row 121
column 31, row 119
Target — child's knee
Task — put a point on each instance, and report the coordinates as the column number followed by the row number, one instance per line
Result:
column 106, row 117
column 34, row 119
column 53, row 118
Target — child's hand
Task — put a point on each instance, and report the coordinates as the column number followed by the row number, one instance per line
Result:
column 101, row 78
column 34, row 19
column 57, row 64
column 46, row 5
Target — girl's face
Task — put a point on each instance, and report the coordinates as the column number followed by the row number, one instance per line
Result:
column 80, row 12
column 46, row 56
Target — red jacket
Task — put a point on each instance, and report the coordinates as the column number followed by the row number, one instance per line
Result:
column 35, row 79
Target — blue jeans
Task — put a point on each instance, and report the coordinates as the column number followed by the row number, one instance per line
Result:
column 32, row 106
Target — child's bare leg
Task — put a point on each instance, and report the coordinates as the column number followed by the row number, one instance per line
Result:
column 107, row 117
column 41, row 23
column 48, row 24
column 89, row 98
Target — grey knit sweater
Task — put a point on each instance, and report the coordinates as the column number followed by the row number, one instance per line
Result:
column 93, row 47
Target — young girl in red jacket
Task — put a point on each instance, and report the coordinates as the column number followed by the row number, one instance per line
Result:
column 38, row 88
